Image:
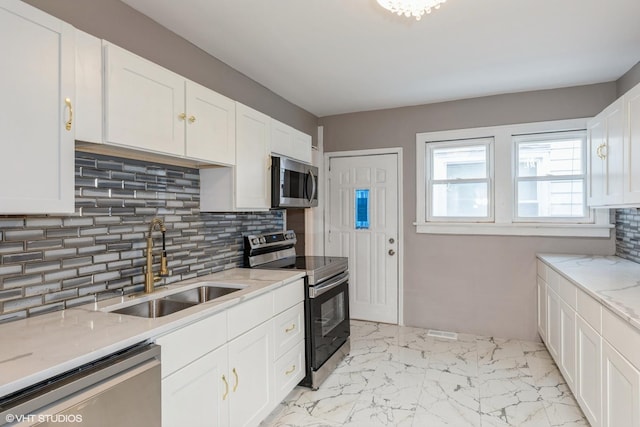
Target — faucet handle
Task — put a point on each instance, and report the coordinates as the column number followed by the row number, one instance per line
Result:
column 164, row 270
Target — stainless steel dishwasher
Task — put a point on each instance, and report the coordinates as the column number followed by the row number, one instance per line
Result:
column 119, row 390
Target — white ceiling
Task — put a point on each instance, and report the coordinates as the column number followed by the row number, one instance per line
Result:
column 337, row 56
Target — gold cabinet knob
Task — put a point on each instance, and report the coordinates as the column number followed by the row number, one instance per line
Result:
column 226, row 388
column 69, row 122
column 192, row 119
column 182, row 116
column 290, row 371
column 290, row 328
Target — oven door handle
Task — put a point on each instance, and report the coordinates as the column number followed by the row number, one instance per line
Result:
column 316, row 291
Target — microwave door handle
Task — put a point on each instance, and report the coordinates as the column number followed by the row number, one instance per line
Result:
column 314, row 186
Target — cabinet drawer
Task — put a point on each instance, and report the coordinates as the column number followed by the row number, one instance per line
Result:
column 541, row 268
column 288, row 295
column 249, row 314
column 564, row 288
column 183, row 346
column 590, row 310
column 288, row 329
column 289, row 371
column 622, row 336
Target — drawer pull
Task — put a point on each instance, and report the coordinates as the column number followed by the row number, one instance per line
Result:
column 235, row 374
column 291, row 371
column 226, row 388
column 290, row 328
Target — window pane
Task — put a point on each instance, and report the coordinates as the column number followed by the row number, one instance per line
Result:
column 539, row 199
column 362, row 209
column 467, row 162
column 460, row 200
column 550, row 158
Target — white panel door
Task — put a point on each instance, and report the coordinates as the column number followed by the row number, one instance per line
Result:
column 620, row 390
column 363, row 225
column 145, row 104
column 37, row 88
column 553, row 325
column 211, row 125
column 542, row 308
column 567, row 363
column 632, row 146
column 198, row 394
column 252, row 173
column 588, row 365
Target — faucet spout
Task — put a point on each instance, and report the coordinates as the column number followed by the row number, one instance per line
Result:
column 149, row 277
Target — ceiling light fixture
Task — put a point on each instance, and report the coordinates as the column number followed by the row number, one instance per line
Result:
column 409, row 8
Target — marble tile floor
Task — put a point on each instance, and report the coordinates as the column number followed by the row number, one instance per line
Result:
column 398, row 376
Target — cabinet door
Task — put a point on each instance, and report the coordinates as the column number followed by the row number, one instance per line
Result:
column 250, row 367
column 620, row 390
column 144, row 104
column 553, row 325
column 605, row 156
column 253, row 162
column 211, row 125
column 199, row 393
column 632, row 146
column 542, row 308
column 567, row 352
column 289, row 142
column 37, row 89
column 588, row 365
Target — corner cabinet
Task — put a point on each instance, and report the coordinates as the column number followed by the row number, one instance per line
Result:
column 247, row 186
column 36, row 115
column 613, row 162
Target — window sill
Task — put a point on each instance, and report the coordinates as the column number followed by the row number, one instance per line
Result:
column 517, row 229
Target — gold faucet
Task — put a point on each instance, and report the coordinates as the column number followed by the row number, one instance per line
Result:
column 149, row 277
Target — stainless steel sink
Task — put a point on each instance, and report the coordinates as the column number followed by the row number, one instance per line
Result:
column 202, row 294
column 155, row 308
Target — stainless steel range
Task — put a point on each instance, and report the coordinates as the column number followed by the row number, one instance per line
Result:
column 326, row 299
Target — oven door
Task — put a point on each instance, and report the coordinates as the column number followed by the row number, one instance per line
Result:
column 293, row 184
column 329, row 318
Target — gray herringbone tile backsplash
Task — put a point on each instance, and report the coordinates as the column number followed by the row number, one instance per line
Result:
column 49, row 263
column 628, row 234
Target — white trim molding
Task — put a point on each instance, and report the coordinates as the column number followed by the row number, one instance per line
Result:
column 598, row 223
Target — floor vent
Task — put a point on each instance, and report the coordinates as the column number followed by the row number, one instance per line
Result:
column 443, row 334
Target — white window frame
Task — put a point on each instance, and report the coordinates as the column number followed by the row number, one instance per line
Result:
column 503, row 186
column 488, row 143
column 588, row 218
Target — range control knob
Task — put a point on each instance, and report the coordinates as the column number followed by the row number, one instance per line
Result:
column 255, row 241
column 263, row 240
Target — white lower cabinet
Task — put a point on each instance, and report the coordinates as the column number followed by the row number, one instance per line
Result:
column 250, row 399
column 542, row 307
column 620, row 390
column 197, row 395
column 597, row 352
column 233, row 368
column 588, row 366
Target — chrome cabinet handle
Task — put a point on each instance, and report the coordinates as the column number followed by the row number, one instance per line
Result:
column 291, row 371
column 235, row 374
column 226, row 388
column 69, row 122
column 290, row 328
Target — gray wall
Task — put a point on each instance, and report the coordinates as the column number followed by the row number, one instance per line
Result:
column 122, row 25
column 628, row 80
column 477, row 284
column 53, row 262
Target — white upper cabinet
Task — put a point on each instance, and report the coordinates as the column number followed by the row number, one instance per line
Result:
column 289, row 142
column 89, row 105
column 605, row 156
column 153, row 110
column 144, row 104
column 211, row 125
column 614, row 153
column 36, row 115
column 632, row 146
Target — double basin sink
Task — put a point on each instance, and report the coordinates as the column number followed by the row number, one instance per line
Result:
column 173, row 303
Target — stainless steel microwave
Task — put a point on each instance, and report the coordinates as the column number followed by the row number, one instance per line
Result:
column 293, row 184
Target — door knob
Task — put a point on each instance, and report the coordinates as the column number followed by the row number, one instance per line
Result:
column 392, row 252
column 391, row 240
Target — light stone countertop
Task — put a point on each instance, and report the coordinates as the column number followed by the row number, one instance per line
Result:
column 613, row 281
column 39, row 347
